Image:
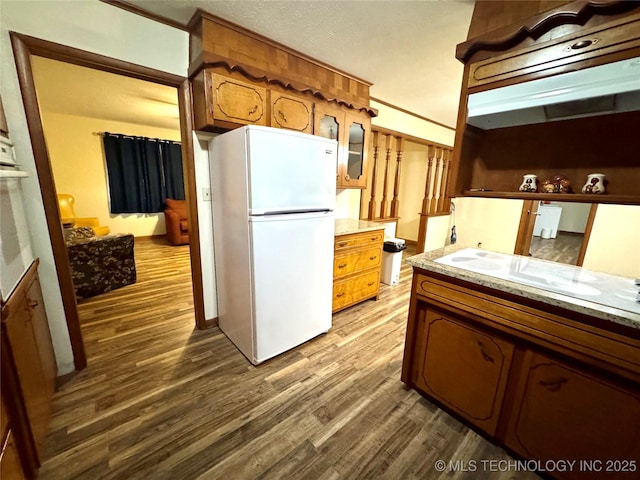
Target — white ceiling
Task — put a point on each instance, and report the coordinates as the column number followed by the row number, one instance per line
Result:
column 405, row 48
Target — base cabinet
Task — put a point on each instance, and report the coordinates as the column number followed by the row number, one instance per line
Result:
column 356, row 268
column 563, row 413
column 28, row 370
column 564, row 391
column 463, row 368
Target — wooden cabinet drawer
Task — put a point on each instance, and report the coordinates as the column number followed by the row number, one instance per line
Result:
column 358, row 239
column 621, row 34
column 355, row 289
column 356, row 260
column 291, row 112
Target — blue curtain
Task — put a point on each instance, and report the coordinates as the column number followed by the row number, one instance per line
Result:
column 142, row 173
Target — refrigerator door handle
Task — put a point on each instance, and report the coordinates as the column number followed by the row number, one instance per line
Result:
column 290, row 216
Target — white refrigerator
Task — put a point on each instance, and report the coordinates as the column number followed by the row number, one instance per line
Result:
column 273, row 194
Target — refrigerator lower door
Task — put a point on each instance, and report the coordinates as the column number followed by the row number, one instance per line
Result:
column 292, row 280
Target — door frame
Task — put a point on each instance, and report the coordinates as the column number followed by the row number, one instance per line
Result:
column 24, row 47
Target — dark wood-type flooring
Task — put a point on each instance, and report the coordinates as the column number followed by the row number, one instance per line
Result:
column 161, row 400
column 565, row 248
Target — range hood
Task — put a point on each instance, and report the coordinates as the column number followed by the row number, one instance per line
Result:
column 610, row 88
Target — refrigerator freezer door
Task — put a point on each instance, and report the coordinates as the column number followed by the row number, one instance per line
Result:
column 289, row 171
column 292, row 280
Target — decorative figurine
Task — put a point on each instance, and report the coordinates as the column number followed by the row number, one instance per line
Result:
column 557, row 184
column 529, row 183
column 595, row 183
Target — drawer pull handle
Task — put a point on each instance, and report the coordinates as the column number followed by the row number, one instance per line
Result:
column 33, row 303
column 485, row 355
column 579, row 45
column 284, row 119
column 370, row 283
column 342, row 244
column 373, row 258
column 553, row 385
column 253, row 110
column 342, row 266
column 339, row 295
column 373, row 239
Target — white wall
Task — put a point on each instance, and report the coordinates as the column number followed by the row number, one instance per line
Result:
column 613, row 245
column 411, row 125
column 88, row 25
column 492, row 222
column 574, row 216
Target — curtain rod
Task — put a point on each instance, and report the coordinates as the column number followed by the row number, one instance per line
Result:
column 101, row 134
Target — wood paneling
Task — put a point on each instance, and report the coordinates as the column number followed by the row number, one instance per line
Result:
column 162, row 400
column 215, row 42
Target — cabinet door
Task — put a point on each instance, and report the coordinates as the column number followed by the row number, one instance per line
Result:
column 10, row 467
column 464, row 368
column 42, row 337
column 329, row 123
column 238, row 102
column 291, row 112
column 355, row 150
column 563, row 413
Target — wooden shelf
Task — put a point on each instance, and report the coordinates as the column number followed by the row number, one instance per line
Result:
column 558, row 197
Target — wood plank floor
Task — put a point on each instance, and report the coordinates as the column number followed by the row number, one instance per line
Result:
column 565, row 248
column 161, row 400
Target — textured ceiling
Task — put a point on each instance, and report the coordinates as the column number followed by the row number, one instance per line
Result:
column 73, row 90
column 405, row 48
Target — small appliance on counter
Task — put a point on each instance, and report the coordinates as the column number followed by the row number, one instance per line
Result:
column 392, row 260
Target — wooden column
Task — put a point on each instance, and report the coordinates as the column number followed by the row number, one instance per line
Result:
column 395, row 203
column 372, row 202
column 436, row 187
column 431, row 150
column 426, row 201
column 384, row 203
column 442, row 206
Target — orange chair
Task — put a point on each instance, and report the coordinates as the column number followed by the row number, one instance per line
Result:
column 69, row 219
column 175, row 217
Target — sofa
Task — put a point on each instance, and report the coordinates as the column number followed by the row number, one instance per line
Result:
column 176, row 221
column 99, row 264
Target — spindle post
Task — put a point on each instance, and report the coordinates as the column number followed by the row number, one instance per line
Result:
column 395, row 203
column 436, row 186
column 443, row 181
column 372, row 200
column 383, row 204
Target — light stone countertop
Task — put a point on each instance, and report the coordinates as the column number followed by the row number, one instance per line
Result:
column 600, row 295
column 345, row 226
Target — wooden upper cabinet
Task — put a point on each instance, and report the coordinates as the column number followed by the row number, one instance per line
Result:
column 351, row 130
column 223, row 103
column 562, row 413
column 492, row 153
column 238, row 102
column 294, row 113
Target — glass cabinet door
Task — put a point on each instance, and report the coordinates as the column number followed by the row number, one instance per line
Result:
column 328, row 126
column 355, row 160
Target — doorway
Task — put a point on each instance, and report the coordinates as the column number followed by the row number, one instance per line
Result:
column 555, row 231
column 25, row 49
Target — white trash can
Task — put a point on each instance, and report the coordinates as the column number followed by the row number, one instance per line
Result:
column 392, row 260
